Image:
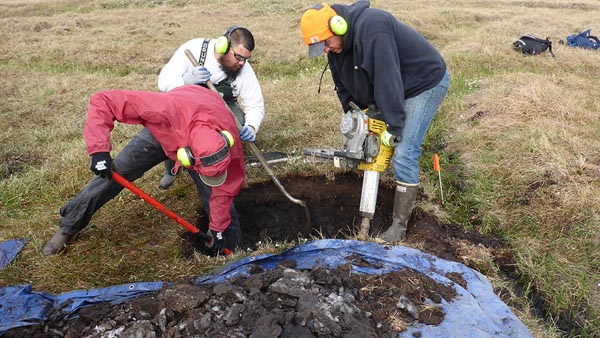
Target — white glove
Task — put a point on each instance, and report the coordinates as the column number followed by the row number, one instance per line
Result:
column 198, row 75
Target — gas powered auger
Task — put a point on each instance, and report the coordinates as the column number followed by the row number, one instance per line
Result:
column 363, row 150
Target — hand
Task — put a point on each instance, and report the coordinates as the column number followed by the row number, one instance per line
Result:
column 216, row 242
column 388, row 139
column 248, row 134
column 101, row 164
column 198, row 75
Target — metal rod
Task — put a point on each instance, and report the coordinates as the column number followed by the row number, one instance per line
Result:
column 441, row 190
column 436, row 167
column 277, row 160
column 255, row 151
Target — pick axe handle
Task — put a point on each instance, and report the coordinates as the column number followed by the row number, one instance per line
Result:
column 255, row 151
column 160, row 207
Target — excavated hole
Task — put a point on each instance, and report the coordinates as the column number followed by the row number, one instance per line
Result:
column 334, row 206
column 267, row 215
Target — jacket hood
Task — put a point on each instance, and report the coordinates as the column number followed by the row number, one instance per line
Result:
column 210, row 151
column 350, row 13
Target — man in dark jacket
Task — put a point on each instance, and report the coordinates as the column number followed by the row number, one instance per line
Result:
column 379, row 62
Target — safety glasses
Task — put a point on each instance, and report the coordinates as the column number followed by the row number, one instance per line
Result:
column 239, row 57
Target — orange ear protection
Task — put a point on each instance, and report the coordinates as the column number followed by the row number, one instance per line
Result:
column 224, row 42
column 187, row 159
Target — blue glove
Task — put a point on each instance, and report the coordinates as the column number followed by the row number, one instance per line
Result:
column 198, row 75
column 248, row 134
column 101, row 164
column 388, row 139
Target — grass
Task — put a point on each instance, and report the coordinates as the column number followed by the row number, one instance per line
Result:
column 517, row 136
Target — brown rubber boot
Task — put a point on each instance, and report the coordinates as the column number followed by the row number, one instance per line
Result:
column 404, row 201
column 57, row 243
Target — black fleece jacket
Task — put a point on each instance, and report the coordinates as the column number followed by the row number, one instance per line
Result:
column 384, row 62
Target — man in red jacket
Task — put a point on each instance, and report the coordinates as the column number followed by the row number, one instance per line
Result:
column 190, row 125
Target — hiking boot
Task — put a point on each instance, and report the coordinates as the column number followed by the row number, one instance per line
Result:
column 404, row 201
column 166, row 181
column 57, row 244
column 169, row 176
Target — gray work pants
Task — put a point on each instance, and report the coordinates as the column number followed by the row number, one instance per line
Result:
column 141, row 154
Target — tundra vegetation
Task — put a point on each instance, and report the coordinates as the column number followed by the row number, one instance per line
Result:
column 518, row 136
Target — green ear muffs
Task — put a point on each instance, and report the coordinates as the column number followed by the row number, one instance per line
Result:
column 185, row 157
column 222, row 45
column 187, row 160
column 338, row 25
column 224, row 42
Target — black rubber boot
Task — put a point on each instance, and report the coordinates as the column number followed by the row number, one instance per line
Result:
column 57, row 244
column 404, row 202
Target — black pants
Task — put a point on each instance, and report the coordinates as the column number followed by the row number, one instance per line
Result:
column 141, row 154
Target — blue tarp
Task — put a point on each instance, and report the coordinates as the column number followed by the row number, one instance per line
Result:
column 475, row 312
column 20, row 306
column 9, row 250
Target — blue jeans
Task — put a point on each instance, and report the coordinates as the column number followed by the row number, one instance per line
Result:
column 419, row 114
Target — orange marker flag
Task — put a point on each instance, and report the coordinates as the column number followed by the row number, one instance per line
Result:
column 436, row 167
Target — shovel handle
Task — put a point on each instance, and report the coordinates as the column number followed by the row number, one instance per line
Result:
column 160, row 207
column 255, row 151
column 210, row 85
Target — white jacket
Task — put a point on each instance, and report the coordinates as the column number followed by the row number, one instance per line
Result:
column 245, row 85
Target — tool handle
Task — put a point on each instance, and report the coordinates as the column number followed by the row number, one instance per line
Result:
column 160, row 207
column 212, row 87
column 255, row 151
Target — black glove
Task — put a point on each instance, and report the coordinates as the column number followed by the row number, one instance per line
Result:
column 101, row 164
column 216, row 243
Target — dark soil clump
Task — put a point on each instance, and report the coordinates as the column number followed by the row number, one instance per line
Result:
column 283, row 302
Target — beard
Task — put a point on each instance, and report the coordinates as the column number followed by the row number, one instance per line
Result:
column 231, row 72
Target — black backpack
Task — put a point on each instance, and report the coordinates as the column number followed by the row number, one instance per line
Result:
column 529, row 44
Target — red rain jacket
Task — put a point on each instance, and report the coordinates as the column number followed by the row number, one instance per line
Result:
column 171, row 117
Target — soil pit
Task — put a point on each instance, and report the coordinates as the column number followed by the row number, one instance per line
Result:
column 267, row 215
column 289, row 302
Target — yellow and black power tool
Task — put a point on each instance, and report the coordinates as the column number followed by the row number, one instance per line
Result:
column 362, row 135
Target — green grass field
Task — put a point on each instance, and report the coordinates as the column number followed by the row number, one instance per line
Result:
column 518, row 136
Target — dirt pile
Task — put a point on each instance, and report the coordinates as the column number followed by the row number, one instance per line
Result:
column 283, row 302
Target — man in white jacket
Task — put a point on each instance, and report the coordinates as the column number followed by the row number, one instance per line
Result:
column 223, row 61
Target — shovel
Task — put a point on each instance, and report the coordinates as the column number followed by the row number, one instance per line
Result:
column 255, row 151
column 156, row 204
